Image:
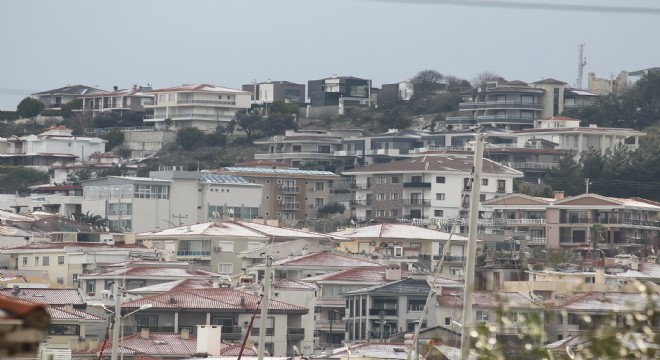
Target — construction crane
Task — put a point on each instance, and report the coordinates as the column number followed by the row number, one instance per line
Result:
column 582, row 61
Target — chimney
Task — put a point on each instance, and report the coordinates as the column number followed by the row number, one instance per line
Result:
column 393, row 273
column 242, row 301
column 68, row 307
column 144, row 333
column 115, row 88
column 185, row 334
column 208, row 339
column 172, row 300
column 559, row 195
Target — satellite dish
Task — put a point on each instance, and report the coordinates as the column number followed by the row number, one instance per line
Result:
column 570, row 352
column 275, row 138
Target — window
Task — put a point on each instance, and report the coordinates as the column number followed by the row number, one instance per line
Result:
column 381, row 213
column 416, row 305
column 447, row 321
column 590, row 280
column 467, row 184
column 439, row 179
column 253, row 245
column 324, row 149
column 439, row 196
column 60, row 280
column 146, row 321
column 64, row 329
column 151, row 191
column 119, row 209
column 395, row 180
column 227, row 246
column 501, row 185
column 482, row 316
column 25, row 260
column 438, row 213
column 319, row 186
column 45, row 261
column 36, row 261
column 415, row 179
column 296, row 148
column 394, row 212
column 380, row 196
column 394, row 196
column 381, row 180
column 482, row 197
column 484, row 182
column 318, row 202
column 194, row 248
column 226, row 268
column 60, row 260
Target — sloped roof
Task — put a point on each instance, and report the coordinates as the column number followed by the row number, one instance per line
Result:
column 224, row 299
column 607, row 302
column 10, row 216
column 370, row 351
column 404, row 286
column 222, row 179
column 151, row 271
column 58, row 297
column 436, row 163
column 519, row 199
column 359, row 274
column 71, row 90
column 294, row 285
column 397, row 231
column 486, row 300
column 324, row 259
column 226, row 228
column 60, row 313
column 262, row 170
column 167, row 345
column 87, row 245
column 201, row 87
column 549, row 81
column 284, row 232
column 174, row 285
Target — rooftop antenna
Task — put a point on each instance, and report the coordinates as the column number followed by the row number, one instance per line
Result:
column 582, row 61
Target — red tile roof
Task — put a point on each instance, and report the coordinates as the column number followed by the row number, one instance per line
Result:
column 15, row 309
column 174, row 285
column 167, row 344
column 607, row 302
column 62, row 245
column 294, row 285
column 360, row 274
column 60, row 313
column 59, row 297
column 487, row 300
column 324, row 259
column 216, row 299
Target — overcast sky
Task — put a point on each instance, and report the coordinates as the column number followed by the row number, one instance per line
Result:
column 49, row 44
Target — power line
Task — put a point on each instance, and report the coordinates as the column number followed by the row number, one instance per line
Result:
column 536, row 6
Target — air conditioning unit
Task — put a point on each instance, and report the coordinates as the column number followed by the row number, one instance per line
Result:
column 218, row 248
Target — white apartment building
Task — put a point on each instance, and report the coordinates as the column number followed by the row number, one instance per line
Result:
column 567, row 132
column 203, row 106
column 169, row 199
column 429, row 187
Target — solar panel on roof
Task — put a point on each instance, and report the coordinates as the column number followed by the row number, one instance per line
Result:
column 280, row 171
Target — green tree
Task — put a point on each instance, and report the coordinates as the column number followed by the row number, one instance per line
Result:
column 76, row 176
column 29, row 108
column 67, row 109
column 249, row 122
column 189, row 138
column 18, row 179
column 277, row 124
column 218, row 137
column 332, row 208
column 114, row 137
column 484, row 77
column 107, row 119
column 427, row 82
column 282, row 107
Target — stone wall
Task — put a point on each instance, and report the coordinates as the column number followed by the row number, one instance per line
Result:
column 600, row 86
column 144, row 143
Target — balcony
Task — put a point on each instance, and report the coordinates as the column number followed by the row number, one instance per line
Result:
column 416, row 184
column 455, row 259
column 349, row 153
column 193, row 253
column 409, row 202
column 290, row 205
column 290, row 189
column 537, row 241
column 438, row 148
column 324, row 325
column 385, row 152
column 360, row 202
column 610, row 221
column 130, row 330
column 294, row 155
column 533, row 165
column 362, row 186
column 499, row 105
column 513, row 119
column 231, row 333
column 150, row 103
column 269, row 332
column 295, row 333
column 189, row 116
column 386, row 312
column 205, row 102
column 454, row 120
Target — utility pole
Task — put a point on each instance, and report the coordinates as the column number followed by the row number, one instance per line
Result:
column 586, row 184
column 472, row 246
column 117, row 325
column 582, row 61
column 180, row 217
column 263, row 317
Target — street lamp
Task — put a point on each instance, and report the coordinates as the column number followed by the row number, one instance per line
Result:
column 118, row 324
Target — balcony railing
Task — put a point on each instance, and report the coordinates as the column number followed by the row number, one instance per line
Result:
column 459, row 119
column 193, row 253
column 624, row 222
column 533, row 165
column 269, row 331
column 389, row 152
column 360, row 202
column 362, row 186
column 386, row 312
column 231, row 332
column 537, row 240
column 295, row 333
column 453, row 258
column 426, row 202
column 150, row 103
column 416, row 184
column 290, row 189
column 205, row 102
column 129, row 330
column 290, row 205
column 506, row 118
column 348, row 153
column 187, row 116
column 499, row 105
column 324, row 324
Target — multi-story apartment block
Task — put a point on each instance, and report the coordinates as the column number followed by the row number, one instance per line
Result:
column 567, row 222
column 288, row 194
column 516, row 104
column 335, row 90
column 169, row 198
column 425, row 187
column 118, row 100
column 391, row 93
column 270, row 91
column 203, row 106
column 300, row 147
column 54, row 99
